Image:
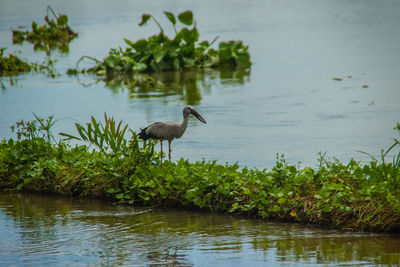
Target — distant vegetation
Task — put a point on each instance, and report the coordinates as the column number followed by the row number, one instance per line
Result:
column 161, row 53
column 55, row 34
column 12, row 65
column 124, row 169
column 157, row 53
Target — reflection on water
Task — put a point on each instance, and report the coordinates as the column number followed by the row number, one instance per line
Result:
column 39, row 230
column 7, row 81
column 189, row 85
column 291, row 105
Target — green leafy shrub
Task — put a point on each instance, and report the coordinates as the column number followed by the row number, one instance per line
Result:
column 349, row 196
column 32, row 163
column 161, row 53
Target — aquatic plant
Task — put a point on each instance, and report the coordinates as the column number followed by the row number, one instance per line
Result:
column 39, row 127
column 347, row 196
column 12, row 64
column 104, row 137
column 55, row 34
column 161, row 53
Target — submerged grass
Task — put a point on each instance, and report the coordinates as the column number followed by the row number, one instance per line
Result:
column 347, row 196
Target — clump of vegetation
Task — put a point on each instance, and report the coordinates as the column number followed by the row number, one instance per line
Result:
column 105, row 137
column 161, row 53
column 33, row 163
column 38, row 128
column 12, row 64
column 348, row 196
column 55, row 34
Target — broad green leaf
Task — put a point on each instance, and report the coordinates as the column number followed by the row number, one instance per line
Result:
column 101, row 72
column 234, row 54
column 323, row 193
column 171, row 17
column 186, row 17
column 182, row 35
column 189, row 36
column 281, row 200
column 175, row 64
column 120, row 196
column 155, row 66
column 246, row 191
column 158, row 55
column 112, row 61
column 139, row 67
column 243, row 59
column 276, row 208
column 145, row 18
column 62, row 20
column 225, row 53
column 335, row 186
column 189, row 61
column 223, row 45
column 128, row 60
column 204, row 44
column 140, row 45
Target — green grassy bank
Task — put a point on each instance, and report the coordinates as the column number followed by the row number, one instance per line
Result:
column 346, row 196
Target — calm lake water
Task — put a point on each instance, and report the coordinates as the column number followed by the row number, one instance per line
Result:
column 288, row 103
column 54, row 231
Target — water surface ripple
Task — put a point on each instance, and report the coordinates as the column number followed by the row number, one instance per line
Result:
column 288, row 102
column 47, row 230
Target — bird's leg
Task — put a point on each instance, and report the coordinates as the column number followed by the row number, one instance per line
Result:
column 161, row 153
column 169, row 146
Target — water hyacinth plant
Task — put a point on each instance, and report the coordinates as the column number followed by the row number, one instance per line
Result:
column 55, row 34
column 161, row 53
column 12, row 64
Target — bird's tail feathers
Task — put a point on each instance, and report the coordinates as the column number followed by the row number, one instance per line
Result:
column 144, row 135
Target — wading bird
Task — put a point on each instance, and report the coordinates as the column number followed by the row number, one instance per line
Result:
column 169, row 130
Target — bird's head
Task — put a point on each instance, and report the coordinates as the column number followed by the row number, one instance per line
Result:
column 189, row 110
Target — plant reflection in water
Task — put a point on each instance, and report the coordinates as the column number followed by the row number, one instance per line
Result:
column 189, row 85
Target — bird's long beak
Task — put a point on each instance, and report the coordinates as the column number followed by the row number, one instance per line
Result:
column 198, row 116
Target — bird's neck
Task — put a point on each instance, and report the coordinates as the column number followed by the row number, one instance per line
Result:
column 183, row 126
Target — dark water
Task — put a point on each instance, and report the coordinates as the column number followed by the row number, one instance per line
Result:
column 46, row 230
